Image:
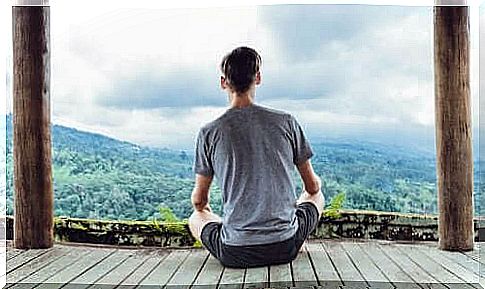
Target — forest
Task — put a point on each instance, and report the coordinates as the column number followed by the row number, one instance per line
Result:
column 100, row 177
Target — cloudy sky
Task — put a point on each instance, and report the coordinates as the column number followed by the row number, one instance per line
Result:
column 151, row 76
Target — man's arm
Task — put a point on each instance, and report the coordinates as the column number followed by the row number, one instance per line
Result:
column 311, row 181
column 200, row 194
column 312, row 186
column 202, row 212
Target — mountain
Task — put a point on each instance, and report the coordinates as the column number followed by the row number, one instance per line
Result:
column 100, row 177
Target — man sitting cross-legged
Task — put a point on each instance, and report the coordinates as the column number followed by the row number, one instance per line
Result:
column 252, row 151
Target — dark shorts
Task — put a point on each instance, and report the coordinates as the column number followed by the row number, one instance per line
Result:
column 261, row 255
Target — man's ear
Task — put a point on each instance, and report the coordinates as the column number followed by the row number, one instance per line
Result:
column 223, row 83
column 258, row 78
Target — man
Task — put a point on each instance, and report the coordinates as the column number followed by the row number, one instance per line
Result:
column 252, row 151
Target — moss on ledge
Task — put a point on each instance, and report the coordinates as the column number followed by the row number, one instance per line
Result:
column 351, row 224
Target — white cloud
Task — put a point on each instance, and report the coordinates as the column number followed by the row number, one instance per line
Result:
column 157, row 127
column 383, row 75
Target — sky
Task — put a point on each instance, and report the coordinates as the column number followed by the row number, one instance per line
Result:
column 151, row 75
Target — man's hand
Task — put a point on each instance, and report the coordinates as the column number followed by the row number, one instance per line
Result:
column 207, row 208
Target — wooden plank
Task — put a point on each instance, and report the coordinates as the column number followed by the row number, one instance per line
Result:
column 429, row 265
column 210, row 274
column 462, row 260
column 474, row 255
column 100, row 269
column 155, row 257
column 77, row 268
column 302, row 269
column 55, row 265
column 24, row 258
column 116, row 276
column 232, row 278
column 165, row 269
column 190, row 268
column 371, row 273
column 332, row 286
column 324, row 269
column 466, row 274
column 407, row 265
column 256, row 277
column 280, row 276
column 475, row 252
column 396, row 275
column 35, row 264
column 14, row 252
column 348, row 272
column 457, row 270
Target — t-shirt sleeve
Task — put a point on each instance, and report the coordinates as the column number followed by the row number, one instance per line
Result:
column 202, row 161
column 302, row 149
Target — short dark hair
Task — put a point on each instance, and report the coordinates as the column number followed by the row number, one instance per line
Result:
column 240, row 67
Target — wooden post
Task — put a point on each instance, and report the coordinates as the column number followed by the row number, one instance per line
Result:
column 453, row 127
column 34, row 198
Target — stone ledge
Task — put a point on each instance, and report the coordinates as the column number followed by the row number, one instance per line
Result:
column 352, row 224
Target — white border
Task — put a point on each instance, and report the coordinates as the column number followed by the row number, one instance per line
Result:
column 5, row 15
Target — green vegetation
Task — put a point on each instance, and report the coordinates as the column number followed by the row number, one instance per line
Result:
column 333, row 210
column 98, row 177
column 167, row 216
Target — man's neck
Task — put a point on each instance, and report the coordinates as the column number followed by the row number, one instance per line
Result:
column 242, row 100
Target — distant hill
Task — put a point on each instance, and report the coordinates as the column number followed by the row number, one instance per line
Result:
column 100, row 177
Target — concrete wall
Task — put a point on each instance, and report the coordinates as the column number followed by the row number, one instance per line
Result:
column 351, row 224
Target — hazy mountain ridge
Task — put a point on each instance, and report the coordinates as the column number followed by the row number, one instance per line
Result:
column 100, row 177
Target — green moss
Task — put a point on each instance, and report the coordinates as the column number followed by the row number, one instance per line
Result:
column 78, row 226
column 360, row 223
column 197, row 244
column 178, row 228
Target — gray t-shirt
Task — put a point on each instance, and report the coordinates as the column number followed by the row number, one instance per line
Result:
column 252, row 152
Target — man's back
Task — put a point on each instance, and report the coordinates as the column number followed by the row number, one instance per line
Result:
column 252, row 152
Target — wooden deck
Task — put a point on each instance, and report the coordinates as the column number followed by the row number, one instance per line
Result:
column 321, row 264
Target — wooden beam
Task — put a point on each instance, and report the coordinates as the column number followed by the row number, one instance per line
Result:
column 33, row 224
column 453, row 127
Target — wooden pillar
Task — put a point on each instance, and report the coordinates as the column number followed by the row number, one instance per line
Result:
column 33, row 199
column 453, row 127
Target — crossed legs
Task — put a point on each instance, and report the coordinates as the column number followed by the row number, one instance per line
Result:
column 199, row 219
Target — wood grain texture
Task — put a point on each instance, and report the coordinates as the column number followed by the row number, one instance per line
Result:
column 453, row 127
column 394, row 273
column 256, row 277
column 232, row 278
column 463, row 273
column 431, row 267
column 101, row 269
column 302, row 270
column 165, row 269
column 321, row 264
column 155, row 257
column 188, row 270
column 54, row 266
column 34, row 198
column 280, row 276
column 324, row 269
column 73, row 270
column 348, row 272
column 371, row 272
column 210, row 274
